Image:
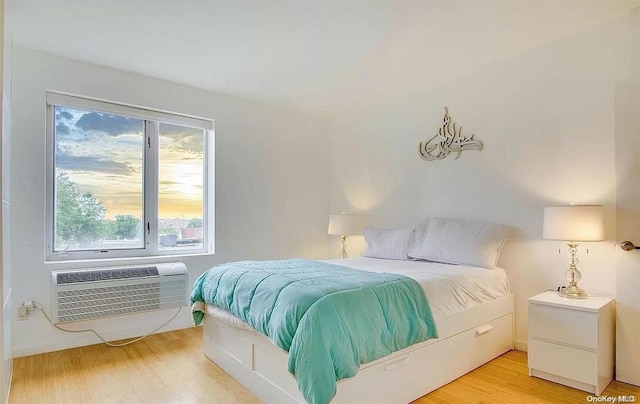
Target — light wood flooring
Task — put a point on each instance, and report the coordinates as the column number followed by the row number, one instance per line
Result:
column 170, row 368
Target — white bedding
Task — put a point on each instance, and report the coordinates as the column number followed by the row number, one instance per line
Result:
column 449, row 288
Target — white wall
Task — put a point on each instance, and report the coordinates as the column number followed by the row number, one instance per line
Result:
column 546, row 117
column 6, row 346
column 272, row 184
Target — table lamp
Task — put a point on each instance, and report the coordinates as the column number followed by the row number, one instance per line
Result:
column 572, row 224
column 345, row 225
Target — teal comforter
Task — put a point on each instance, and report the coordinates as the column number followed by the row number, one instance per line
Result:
column 329, row 318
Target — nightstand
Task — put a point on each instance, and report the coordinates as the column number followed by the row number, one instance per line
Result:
column 571, row 341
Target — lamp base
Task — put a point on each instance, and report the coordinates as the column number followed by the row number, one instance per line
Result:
column 574, row 292
column 343, row 252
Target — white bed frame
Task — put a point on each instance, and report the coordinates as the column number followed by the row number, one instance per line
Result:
column 467, row 339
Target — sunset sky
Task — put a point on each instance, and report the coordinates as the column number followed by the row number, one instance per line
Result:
column 103, row 155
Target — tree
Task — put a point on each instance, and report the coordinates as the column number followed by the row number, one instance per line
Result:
column 165, row 229
column 194, row 222
column 124, row 227
column 79, row 216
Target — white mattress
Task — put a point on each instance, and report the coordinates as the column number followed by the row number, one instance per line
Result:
column 449, row 288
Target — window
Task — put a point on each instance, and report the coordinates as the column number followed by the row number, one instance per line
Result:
column 125, row 181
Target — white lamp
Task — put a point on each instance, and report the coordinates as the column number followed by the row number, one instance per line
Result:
column 345, row 225
column 573, row 223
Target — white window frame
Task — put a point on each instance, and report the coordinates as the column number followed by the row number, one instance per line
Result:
column 152, row 118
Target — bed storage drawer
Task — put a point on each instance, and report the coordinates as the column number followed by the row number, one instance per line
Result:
column 407, row 377
column 232, row 342
column 270, row 363
column 470, row 349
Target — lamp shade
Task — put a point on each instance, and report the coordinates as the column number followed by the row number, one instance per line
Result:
column 573, row 223
column 347, row 225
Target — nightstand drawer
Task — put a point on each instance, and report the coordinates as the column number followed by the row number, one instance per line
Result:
column 571, row 327
column 571, row 363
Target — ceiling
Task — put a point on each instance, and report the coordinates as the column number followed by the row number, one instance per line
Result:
column 316, row 56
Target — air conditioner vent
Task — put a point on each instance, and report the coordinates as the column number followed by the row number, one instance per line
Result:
column 106, row 292
column 69, row 277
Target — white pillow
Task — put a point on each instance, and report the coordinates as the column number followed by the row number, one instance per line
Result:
column 389, row 244
column 418, row 239
column 459, row 242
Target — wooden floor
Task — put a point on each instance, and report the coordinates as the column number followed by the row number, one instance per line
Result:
column 170, row 368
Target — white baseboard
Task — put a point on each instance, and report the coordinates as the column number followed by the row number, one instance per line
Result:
column 84, row 339
column 521, row 346
column 8, row 388
column 8, row 358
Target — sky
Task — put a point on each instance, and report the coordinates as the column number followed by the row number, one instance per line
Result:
column 103, row 154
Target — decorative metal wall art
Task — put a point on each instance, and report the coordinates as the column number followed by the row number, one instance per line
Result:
column 448, row 140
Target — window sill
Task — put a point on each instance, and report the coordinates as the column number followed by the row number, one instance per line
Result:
column 97, row 262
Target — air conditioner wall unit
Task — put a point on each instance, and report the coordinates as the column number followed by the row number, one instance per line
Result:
column 91, row 293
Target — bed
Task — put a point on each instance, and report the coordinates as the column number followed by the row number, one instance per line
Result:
column 473, row 309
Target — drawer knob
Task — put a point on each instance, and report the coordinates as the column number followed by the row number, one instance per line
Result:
column 484, row 329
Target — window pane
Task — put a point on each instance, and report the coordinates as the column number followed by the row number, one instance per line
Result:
column 180, row 187
column 99, row 180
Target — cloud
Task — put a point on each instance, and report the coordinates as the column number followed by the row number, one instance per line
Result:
column 191, row 143
column 63, row 115
column 111, row 124
column 62, row 129
column 86, row 163
column 170, row 130
column 183, row 138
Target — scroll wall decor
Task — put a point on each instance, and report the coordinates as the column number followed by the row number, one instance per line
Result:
column 448, row 140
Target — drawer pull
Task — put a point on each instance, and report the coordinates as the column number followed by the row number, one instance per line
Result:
column 484, row 329
column 397, row 364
